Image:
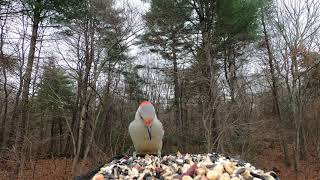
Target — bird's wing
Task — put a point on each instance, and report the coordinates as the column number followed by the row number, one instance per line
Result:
column 131, row 128
column 162, row 131
column 160, row 126
column 137, row 132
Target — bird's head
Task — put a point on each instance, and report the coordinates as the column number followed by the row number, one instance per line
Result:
column 147, row 113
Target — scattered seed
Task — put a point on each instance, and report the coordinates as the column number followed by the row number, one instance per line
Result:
column 182, row 167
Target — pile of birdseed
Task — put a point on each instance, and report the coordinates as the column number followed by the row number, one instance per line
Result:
column 185, row 167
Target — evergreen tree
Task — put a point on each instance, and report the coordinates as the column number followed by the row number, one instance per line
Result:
column 168, row 34
column 237, row 24
column 38, row 11
column 55, row 90
column 55, row 99
column 134, row 84
column 237, row 20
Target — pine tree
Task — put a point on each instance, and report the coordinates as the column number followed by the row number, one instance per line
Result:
column 38, row 11
column 237, row 24
column 134, row 84
column 167, row 33
column 55, row 99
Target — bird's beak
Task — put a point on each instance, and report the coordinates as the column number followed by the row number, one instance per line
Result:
column 149, row 131
column 147, row 122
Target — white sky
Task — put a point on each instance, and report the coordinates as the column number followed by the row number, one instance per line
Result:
column 50, row 47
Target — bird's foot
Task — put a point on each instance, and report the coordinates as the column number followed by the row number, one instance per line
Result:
column 159, row 153
column 134, row 155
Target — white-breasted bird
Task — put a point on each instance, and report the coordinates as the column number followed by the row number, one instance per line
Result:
column 146, row 130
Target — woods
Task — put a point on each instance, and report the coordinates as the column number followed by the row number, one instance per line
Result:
column 236, row 77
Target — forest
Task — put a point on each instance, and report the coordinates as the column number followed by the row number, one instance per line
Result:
column 238, row 77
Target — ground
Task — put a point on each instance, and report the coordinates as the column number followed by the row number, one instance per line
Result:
column 273, row 158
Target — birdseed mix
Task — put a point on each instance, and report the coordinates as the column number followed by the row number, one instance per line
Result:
column 182, row 167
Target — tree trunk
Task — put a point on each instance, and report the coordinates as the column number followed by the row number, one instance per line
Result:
column 34, row 81
column 27, row 79
column 53, row 138
column 91, row 138
column 176, row 103
column 12, row 129
column 85, row 97
column 92, row 96
column 211, row 94
column 76, row 109
column 274, row 88
column 296, row 106
column 5, row 65
column 5, row 104
column 60, row 136
column 303, row 143
column 15, row 113
column 230, row 71
column 67, row 149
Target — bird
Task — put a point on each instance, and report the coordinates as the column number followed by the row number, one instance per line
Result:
column 146, row 131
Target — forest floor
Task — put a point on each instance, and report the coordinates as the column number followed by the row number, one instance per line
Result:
column 59, row 169
column 273, row 158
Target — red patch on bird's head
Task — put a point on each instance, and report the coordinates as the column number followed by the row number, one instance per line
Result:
column 145, row 103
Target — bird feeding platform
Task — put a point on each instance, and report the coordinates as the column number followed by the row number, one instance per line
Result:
column 211, row 166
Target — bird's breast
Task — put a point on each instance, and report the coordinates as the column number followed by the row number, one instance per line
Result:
column 141, row 140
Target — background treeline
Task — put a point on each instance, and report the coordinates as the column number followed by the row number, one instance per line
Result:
column 224, row 75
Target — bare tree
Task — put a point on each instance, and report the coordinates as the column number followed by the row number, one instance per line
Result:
column 274, row 81
column 21, row 51
column 5, row 64
column 298, row 25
